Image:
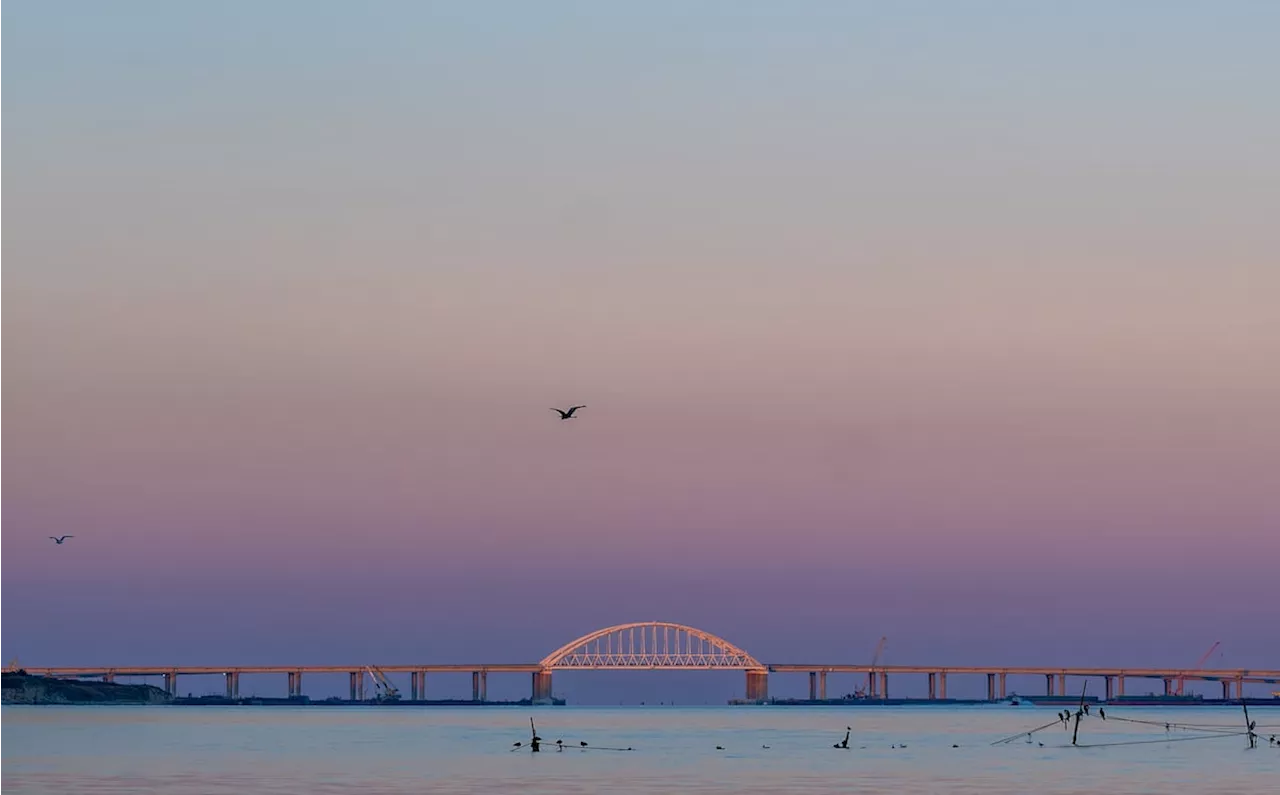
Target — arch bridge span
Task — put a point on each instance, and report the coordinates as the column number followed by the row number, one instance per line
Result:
column 650, row 644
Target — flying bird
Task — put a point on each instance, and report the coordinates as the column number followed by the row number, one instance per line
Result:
column 59, row 540
column 568, row 415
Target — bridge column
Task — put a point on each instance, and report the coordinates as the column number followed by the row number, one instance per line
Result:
column 1108, row 687
column 822, row 685
column 1168, row 686
column 942, row 685
column 813, row 685
column 884, row 684
column 479, row 685
column 542, row 686
column 1048, row 684
column 991, row 687
column 1119, row 685
column 1240, row 687
column 415, row 685
column 108, row 677
column 757, row 685
column 933, row 685
column 1226, row 689
column 354, row 677
column 1062, row 684
column 233, row 684
column 295, row 684
column 171, row 683
column 1003, row 691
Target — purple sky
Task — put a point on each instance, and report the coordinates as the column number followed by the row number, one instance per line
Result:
column 956, row 324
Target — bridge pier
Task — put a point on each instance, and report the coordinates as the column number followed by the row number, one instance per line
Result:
column 108, row 677
column 417, row 685
column 1240, row 688
column 884, row 684
column 1062, row 684
column 171, row 683
column 757, row 685
column 479, row 686
column 817, row 685
column 933, row 685
column 295, row 684
column 1108, row 687
column 1048, row 684
column 1226, row 689
column 991, row 687
column 541, row 686
column 1119, row 685
column 357, row 685
column 233, row 684
column 1168, row 686
column 1003, row 690
column 942, row 685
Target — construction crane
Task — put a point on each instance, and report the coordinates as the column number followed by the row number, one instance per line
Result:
column 875, row 660
column 870, row 686
column 1182, row 680
column 385, row 691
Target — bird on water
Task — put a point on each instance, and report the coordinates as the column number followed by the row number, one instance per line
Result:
column 568, row 415
column 59, row 539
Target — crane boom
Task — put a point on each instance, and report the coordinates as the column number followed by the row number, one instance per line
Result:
column 875, row 660
column 879, row 650
column 386, row 690
column 1182, row 680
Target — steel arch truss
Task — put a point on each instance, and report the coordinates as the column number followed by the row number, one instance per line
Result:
column 652, row 644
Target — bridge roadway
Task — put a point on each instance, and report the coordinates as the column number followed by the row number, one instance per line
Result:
column 757, row 677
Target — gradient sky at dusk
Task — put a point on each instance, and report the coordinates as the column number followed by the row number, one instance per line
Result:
column 952, row 322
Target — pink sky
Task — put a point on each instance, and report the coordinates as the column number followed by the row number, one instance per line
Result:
column 857, row 335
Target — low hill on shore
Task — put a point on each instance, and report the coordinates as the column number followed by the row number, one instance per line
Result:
column 22, row 688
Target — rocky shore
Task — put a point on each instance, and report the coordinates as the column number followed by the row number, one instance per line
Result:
column 22, row 688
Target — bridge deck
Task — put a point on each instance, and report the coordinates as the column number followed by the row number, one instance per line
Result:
column 1206, row 675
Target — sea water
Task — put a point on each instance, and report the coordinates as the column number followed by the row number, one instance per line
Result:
column 393, row 750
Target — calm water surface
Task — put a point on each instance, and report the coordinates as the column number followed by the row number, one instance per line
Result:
column 372, row 751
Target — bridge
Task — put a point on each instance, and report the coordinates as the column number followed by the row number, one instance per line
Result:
column 660, row 645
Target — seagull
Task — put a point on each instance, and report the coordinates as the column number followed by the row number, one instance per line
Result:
column 59, row 540
column 568, row 415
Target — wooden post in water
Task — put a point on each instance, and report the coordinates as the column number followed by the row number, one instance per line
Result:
column 1079, row 712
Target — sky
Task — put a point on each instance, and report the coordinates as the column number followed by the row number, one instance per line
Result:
column 950, row 322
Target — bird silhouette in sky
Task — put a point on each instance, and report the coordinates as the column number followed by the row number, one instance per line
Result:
column 59, row 539
column 568, row 415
